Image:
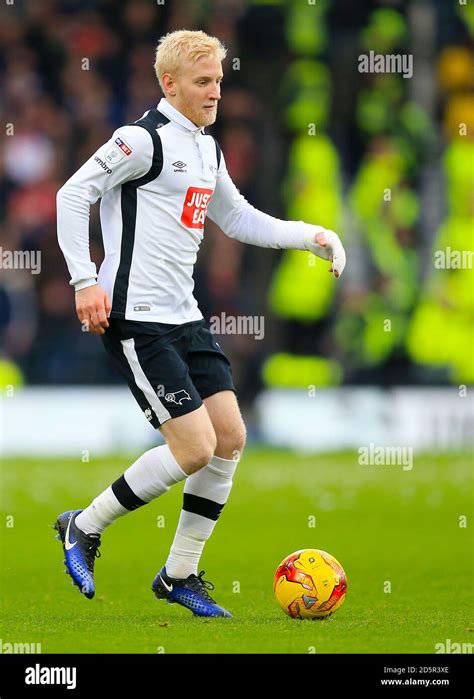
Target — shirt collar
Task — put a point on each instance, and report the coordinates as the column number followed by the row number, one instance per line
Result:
column 172, row 113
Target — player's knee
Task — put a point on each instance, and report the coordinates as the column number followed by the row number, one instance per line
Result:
column 231, row 439
column 201, row 453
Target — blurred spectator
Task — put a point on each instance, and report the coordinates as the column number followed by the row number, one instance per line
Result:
column 74, row 70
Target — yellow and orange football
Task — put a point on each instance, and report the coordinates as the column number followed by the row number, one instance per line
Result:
column 310, row 584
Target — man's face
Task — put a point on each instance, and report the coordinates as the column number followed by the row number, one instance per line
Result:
column 198, row 90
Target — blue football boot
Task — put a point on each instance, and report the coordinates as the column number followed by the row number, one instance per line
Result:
column 80, row 550
column 190, row 592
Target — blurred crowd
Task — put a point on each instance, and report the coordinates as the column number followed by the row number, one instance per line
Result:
column 384, row 160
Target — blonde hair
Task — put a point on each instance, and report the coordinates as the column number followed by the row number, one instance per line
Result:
column 181, row 45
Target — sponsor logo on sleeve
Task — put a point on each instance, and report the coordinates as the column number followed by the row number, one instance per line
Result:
column 123, row 146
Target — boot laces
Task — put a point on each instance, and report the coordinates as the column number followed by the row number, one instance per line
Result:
column 92, row 543
column 200, row 585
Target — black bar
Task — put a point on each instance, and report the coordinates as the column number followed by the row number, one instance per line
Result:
column 298, row 675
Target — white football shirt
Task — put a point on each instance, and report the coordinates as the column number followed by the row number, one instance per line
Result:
column 158, row 178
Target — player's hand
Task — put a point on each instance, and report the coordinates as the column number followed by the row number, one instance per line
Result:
column 93, row 307
column 326, row 244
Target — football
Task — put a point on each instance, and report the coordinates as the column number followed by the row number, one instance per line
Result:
column 310, row 584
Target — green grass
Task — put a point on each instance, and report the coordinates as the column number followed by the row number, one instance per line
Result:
column 381, row 522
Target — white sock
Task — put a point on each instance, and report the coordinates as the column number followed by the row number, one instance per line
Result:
column 205, row 494
column 102, row 511
column 149, row 477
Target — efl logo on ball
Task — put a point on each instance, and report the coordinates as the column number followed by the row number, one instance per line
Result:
column 195, row 207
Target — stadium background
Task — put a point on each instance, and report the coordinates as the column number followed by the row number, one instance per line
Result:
column 297, row 65
column 385, row 161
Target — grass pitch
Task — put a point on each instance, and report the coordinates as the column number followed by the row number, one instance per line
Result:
column 400, row 536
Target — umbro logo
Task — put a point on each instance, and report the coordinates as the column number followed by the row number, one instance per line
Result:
column 103, row 165
column 179, row 165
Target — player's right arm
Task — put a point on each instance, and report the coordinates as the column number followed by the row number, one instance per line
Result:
column 126, row 156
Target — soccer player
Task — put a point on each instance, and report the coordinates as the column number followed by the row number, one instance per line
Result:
column 158, row 179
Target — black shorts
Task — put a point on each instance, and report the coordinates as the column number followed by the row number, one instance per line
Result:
column 169, row 368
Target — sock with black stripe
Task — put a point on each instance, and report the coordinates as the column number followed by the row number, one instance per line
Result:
column 146, row 479
column 205, row 494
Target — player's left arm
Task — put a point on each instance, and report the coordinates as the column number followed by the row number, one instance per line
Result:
column 240, row 220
